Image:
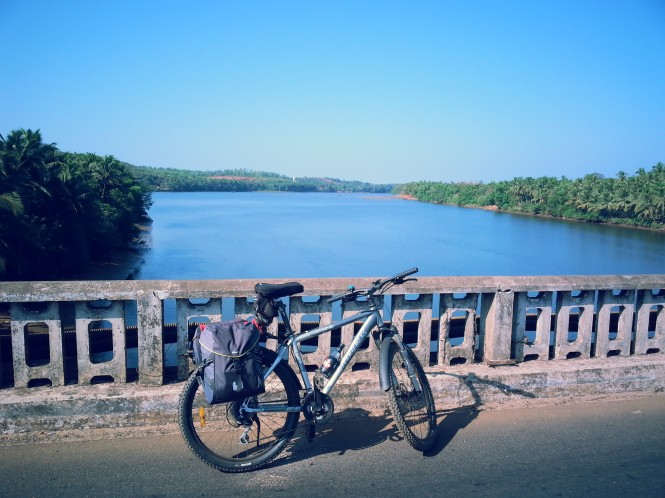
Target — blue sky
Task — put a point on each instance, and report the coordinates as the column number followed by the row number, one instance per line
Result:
column 379, row 91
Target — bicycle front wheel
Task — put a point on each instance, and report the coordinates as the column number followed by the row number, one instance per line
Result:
column 227, row 438
column 414, row 411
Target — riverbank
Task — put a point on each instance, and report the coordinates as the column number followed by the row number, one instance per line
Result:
column 123, row 264
column 496, row 209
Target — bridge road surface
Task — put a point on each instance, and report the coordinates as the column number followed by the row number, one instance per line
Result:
column 600, row 448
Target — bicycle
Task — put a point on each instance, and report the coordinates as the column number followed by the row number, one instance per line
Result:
column 248, row 434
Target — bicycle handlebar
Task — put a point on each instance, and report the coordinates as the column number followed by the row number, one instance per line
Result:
column 404, row 274
column 379, row 285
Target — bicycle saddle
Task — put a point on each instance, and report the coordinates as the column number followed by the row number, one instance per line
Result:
column 274, row 291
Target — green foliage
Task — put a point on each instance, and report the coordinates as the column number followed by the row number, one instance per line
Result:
column 637, row 200
column 58, row 211
column 241, row 180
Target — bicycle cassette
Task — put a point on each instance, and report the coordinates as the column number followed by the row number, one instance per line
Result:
column 236, row 415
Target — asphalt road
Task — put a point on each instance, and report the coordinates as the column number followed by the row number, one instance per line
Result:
column 603, row 448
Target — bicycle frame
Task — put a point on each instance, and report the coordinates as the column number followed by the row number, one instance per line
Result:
column 372, row 317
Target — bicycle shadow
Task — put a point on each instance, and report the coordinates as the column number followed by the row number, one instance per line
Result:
column 470, row 380
column 458, row 418
column 355, row 429
column 352, row 429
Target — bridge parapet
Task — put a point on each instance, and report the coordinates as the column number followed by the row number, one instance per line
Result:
column 79, row 332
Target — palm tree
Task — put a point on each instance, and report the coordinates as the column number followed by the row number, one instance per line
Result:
column 28, row 169
column 29, row 166
column 107, row 173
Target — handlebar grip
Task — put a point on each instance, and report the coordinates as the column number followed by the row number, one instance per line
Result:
column 406, row 273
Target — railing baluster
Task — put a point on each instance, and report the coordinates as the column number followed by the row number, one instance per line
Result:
column 593, row 317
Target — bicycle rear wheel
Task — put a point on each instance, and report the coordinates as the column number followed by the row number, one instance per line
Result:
column 414, row 412
column 225, row 437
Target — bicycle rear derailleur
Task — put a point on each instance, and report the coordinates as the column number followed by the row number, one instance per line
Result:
column 236, row 416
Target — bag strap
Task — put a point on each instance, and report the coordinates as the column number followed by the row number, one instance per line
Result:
column 199, row 370
column 259, row 326
column 238, row 384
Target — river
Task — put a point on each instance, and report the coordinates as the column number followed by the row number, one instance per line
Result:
column 261, row 235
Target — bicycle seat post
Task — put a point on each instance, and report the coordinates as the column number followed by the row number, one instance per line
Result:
column 281, row 309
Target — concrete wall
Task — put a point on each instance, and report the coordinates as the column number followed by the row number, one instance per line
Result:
column 83, row 332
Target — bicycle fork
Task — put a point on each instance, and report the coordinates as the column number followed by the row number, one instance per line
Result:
column 384, row 362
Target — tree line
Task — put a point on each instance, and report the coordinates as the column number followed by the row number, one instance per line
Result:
column 59, row 211
column 637, row 200
column 243, row 180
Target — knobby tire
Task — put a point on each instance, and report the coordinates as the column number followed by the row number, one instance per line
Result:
column 214, row 432
column 414, row 412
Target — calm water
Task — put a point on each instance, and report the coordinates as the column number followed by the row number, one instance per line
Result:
column 286, row 235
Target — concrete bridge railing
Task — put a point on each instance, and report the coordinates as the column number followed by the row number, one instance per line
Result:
column 82, row 332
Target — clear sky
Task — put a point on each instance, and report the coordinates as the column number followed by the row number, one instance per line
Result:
column 380, row 91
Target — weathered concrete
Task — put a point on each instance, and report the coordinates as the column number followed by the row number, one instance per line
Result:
column 113, row 406
column 497, row 312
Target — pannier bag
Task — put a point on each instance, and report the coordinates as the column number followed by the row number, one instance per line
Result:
column 229, row 351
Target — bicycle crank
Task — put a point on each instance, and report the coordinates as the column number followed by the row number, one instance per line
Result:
column 318, row 408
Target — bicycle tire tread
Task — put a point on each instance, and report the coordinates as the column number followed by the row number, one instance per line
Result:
column 417, row 443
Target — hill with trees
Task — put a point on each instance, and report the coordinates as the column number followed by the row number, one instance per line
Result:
column 243, row 180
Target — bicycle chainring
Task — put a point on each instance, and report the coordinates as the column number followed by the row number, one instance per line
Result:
column 318, row 408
